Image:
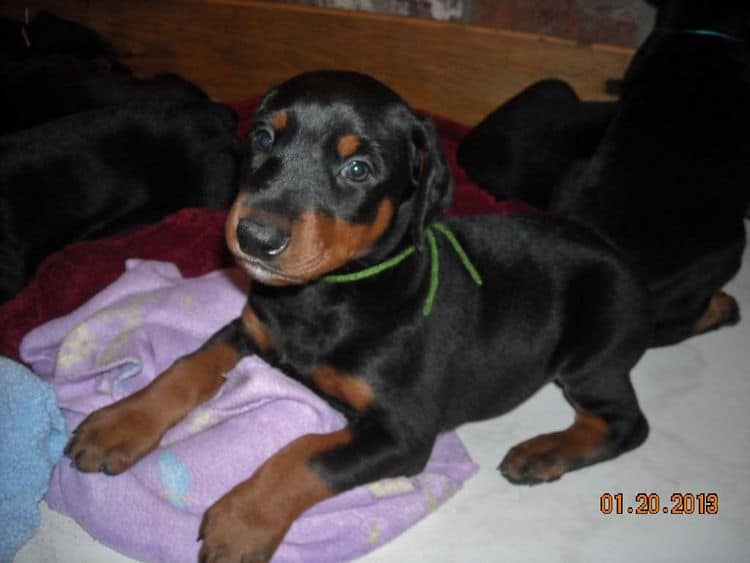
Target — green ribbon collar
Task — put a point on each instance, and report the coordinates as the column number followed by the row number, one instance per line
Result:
column 404, row 254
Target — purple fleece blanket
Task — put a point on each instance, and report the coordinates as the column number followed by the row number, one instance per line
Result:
column 130, row 332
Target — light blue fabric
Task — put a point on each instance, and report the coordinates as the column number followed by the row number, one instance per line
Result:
column 32, row 438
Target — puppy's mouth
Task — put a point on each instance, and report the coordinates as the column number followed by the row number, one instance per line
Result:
column 264, row 272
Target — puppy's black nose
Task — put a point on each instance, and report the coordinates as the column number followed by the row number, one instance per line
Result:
column 261, row 238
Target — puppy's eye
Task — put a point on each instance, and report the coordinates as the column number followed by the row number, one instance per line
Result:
column 263, row 139
column 356, row 170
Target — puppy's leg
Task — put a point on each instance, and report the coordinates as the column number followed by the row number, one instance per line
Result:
column 250, row 521
column 112, row 439
column 721, row 310
column 608, row 422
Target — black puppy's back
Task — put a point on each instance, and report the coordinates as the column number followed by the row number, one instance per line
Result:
column 527, row 145
column 96, row 173
column 669, row 181
column 87, row 149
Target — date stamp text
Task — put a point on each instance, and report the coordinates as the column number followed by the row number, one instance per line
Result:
column 652, row 503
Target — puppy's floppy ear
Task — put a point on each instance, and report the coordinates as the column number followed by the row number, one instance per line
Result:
column 431, row 176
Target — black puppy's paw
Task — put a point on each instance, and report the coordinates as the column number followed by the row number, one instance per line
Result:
column 528, row 465
column 113, row 439
column 235, row 534
column 722, row 310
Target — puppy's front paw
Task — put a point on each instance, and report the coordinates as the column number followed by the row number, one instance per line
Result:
column 113, row 439
column 238, row 534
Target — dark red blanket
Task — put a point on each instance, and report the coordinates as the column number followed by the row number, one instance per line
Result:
column 192, row 238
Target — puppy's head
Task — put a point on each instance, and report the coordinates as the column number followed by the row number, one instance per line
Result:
column 340, row 169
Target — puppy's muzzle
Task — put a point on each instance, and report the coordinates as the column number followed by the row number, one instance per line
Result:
column 262, row 238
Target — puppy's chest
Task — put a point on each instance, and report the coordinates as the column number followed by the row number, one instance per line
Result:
column 324, row 368
column 340, row 354
column 301, row 339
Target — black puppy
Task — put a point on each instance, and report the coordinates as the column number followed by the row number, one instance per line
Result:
column 88, row 150
column 668, row 183
column 96, row 173
column 534, row 140
column 409, row 325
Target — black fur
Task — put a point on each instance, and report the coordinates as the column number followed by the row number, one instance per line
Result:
column 88, row 150
column 668, row 181
column 533, row 141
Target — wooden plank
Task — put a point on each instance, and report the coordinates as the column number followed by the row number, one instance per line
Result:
column 237, row 48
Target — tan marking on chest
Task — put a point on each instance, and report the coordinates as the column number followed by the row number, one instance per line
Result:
column 256, row 330
column 353, row 391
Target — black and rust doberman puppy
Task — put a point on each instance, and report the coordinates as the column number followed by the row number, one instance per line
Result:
column 409, row 325
column 668, row 180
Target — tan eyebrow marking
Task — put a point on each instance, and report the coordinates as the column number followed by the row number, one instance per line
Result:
column 348, row 145
column 279, row 120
